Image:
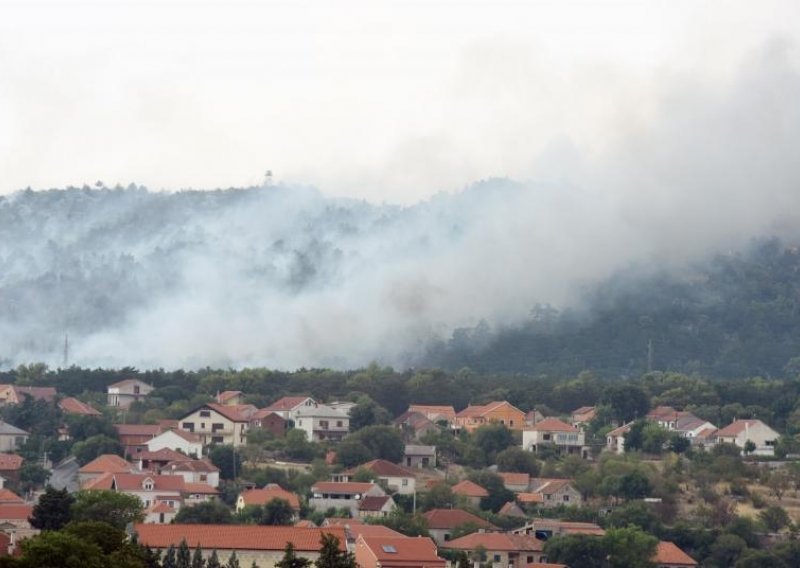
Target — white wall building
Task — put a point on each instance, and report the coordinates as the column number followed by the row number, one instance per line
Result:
column 178, row 440
column 322, row 423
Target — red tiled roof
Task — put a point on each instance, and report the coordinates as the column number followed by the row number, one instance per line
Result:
column 402, row 551
column 470, row 489
column 668, row 553
column 236, row 537
column 227, row 395
column 552, row 425
column 384, row 468
column 529, row 498
column 286, row 403
column 663, row 413
column 230, row 412
column 515, row 478
column 151, row 430
column 160, row 507
column 496, row 541
column 38, row 393
column 199, row 489
column 511, row 509
column 706, row 433
column 107, row 463
column 163, row 455
column 201, row 466
column 737, row 427
column 100, row 483
column 426, row 409
column 452, row 518
column 270, row 492
column 340, row 488
column 370, row 503
column 8, row 496
column 361, row 529
column 624, row 429
column 72, row 405
column 264, row 413
column 15, row 511
column 188, row 436
column 134, row 482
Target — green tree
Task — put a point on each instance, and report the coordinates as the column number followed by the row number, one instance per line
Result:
column 332, row 555
column 352, row 452
column 440, row 496
column 725, row 551
column 116, row 509
column 634, row 485
column 109, row 539
column 635, row 513
column 297, row 446
column 183, row 557
column 517, row 460
column 626, row 401
column 582, row 550
column 760, row 559
column 170, row 558
column 209, row 513
column 494, row 485
column 213, row 560
column 197, row 558
column 291, row 560
column 775, row 518
column 56, row 549
column 384, row 442
column 367, row 412
column 277, row 512
column 629, row 547
column 227, row 459
column 94, row 447
column 233, row 561
column 493, row 438
column 52, row 511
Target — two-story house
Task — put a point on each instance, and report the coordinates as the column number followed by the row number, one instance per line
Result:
column 497, row 412
column 216, row 424
column 124, row 393
column 288, row 406
column 557, row 435
column 187, row 443
column 322, row 423
column 396, row 478
column 739, row 432
column 499, row 550
column 397, row 552
column 13, row 394
column 11, row 437
column 260, row 497
column 347, row 495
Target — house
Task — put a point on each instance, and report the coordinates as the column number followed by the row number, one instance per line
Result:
column 396, row 478
column 664, row 416
column 397, row 552
column 9, row 497
column 11, row 437
column 511, row 509
column 434, row 413
column 327, row 494
column 500, row 550
column 16, row 514
column 689, row 426
column 260, row 497
column 533, row 417
column 13, row 394
column 154, row 461
column 471, row 491
column 705, row 438
column 216, row 424
column 148, row 488
column 342, row 405
column 124, row 393
column 288, row 406
column 547, row 528
column 670, row 556
column 615, row 439
column 414, row 425
column 322, row 422
column 516, row 482
column 581, row 417
column 198, row 492
column 71, row 405
column 739, row 432
column 194, row 471
column 270, row 421
column 443, row 522
column 259, row 544
column 418, row 456
column 160, row 513
column 555, row 492
column 496, row 412
column 107, row 463
column 187, row 443
column 377, row 506
column 229, row 398
column 134, row 437
column 557, row 435
column 10, row 464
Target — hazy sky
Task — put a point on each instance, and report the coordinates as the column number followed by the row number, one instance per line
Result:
column 383, row 100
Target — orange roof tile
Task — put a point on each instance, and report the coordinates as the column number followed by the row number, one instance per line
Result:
column 515, row 478
column 361, row 529
column 737, row 427
column 135, row 482
column 529, row 498
column 199, row 489
column 160, row 507
column 669, row 553
column 452, row 518
column 107, row 463
column 383, row 467
column 427, row 409
column 151, row 430
column 552, row 425
column 402, row 551
column 15, row 511
column 236, row 537
column 10, row 462
column 496, row 541
column 470, row 489
column 286, row 403
column 227, row 395
column 8, row 496
column 373, row 503
column 270, row 492
column 341, row 488
column 72, row 405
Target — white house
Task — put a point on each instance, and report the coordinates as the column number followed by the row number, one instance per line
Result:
column 178, row 440
column 556, row 434
column 322, row 423
column 124, row 393
column 742, row 431
column 216, row 424
column 615, row 439
column 194, row 471
column 11, row 437
column 288, row 406
column 396, row 478
column 327, row 494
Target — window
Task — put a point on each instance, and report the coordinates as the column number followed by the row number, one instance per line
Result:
column 566, row 498
column 530, row 559
column 546, row 437
column 216, row 439
column 447, row 536
column 323, row 424
column 202, row 425
column 205, row 414
column 389, row 548
column 405, row 482
column 189, row 426
column 425, row 461
column 496, row 558
column 203, row 477
column 338, row 423
column 217, row 426
column 136, row 389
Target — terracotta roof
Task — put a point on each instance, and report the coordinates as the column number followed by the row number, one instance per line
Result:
column 470, row 489
column 236, row 537
column 663, row 413
column 286, row 403
column 427, row 410
column 569, row 527
column 188, row 436
column 624, row 429
column 452, row 518
column 103, row 482
column 415, row 420
column 738, row 426
column 107, row 463
column 370, row 503
column 163, row 455
column 529, row 498
column 230, row 412
column 72, row 405
column 706, row 433
column 515, row 478
column 402, row 551
column 227, row 395
column 384, row 468
column 135, row 481
column 160, row 507
column 668, row 553
column 583, row 410
column 201, row 466
column 361, row 529
column 199, row 489
column 8, row 496
column 492, row 541
column 38, row 393
column 264, row 413
column 340, row 488
column 151, row 430
column 270, row 492
column 552, row 425
column 305, row 523
column 15, row 511
column 511, row 509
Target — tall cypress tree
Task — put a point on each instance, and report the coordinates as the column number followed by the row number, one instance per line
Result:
column 197, row 558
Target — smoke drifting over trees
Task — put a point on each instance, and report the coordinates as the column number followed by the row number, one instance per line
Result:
column 287, row 277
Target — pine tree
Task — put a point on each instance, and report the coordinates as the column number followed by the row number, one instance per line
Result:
column 330, row 555
column 233, row 561
column 213, row 561
column 291, row 560
column 197, row 558
column 184, row 556
column 169, row 559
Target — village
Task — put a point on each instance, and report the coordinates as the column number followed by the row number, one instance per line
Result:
column 229, row 479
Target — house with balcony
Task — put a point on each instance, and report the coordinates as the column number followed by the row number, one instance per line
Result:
column 178, row 440
column 395, row 477
column 288, row 406
column 322, row 422
column 557, row 435
column 397, row 552
column 496, row 412
column 216, row 424
column 347, row 495
column 499, row 550
column 124, row 393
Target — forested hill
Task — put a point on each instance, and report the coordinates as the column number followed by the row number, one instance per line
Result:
column 737, row 315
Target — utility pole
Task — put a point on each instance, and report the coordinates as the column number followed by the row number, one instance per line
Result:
column 650, row 355
column 66, row 350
